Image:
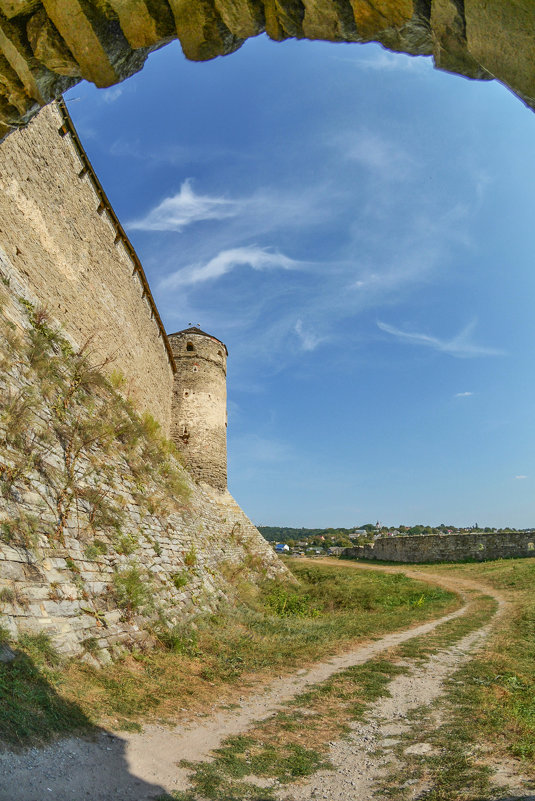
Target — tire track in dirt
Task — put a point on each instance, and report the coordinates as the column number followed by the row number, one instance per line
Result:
column 140, row 766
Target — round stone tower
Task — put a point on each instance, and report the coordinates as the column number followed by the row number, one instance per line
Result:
column 199, row 413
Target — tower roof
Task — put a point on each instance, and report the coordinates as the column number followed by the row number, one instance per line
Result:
column 195, row 330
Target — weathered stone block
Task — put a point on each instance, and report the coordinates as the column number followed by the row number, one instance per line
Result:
column 34, row 625
column 15, row 554
column 331, row 21
column 202, row 33
column 49, row 47
column 450, row 48
column 12, row 571
column 12, row 8
column 95, row 40
column 14, row 94
column 289, row 15
column 61, row 608
column 144, row 24
column 36, row 592
column 501, row 37
column 243, row 18
column 371, row 18
column 15, row 48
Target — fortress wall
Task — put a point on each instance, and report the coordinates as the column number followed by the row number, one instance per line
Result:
column 446, row 548
column 70, row 256
column 187, row 549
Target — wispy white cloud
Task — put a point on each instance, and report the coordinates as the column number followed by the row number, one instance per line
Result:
column 520, row 478
column 255, row 257
column 112, row 94
column 385, row 61
column 185, row 208
column 459, row 346
column 247, row 216
column 377, row 153
column 308, row 339
column 463, row 394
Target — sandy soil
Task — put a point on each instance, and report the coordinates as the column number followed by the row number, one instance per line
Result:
column 141, row 766
column 362, row 758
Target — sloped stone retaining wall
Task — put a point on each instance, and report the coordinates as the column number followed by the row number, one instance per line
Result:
column 176, row 550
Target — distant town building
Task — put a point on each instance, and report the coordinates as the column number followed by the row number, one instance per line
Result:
column 359, row 532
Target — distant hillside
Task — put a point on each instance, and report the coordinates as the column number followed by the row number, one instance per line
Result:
column 283, row 533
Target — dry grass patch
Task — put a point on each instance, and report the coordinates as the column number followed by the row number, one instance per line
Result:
column 279, row 628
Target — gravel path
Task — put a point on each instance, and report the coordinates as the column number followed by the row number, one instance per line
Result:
column 361, row 759
column 141, row 766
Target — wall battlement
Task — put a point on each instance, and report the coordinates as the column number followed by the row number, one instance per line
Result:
column 446, row 548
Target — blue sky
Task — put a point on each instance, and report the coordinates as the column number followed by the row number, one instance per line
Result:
column 358, row 229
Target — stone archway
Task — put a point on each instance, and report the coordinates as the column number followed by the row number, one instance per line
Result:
column 47, row 46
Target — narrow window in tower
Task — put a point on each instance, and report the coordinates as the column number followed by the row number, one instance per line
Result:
column 189, row 346
column 186, row 393
column 195, row 368
column 184, row 433
column 219, row 353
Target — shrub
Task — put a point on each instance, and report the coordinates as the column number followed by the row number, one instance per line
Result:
column 190, row 557
column 180, row 579
column 133, row 590
column 95, row 549
column 286, row 603
column 125, row 544
column 7, row 596
column 22, row 531
column 179, row 639
column 90, row 644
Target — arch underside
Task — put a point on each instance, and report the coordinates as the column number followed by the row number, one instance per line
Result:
column 47, row 47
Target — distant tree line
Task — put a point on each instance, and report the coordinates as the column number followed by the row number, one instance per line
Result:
column 285, row 533
column 325, row 537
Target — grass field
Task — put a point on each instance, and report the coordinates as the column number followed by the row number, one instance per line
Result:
column 295, row 742
column 268, row 631
column 498, row 689
column 487, row 712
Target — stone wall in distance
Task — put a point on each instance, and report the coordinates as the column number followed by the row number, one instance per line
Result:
column 446, row 548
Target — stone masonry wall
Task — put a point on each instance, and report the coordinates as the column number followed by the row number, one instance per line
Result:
column 199, row 413
column 446, row 548
column 95, row 549
column 60, row 237
column 48, row 46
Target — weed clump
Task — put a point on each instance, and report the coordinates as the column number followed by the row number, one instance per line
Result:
column 180, row 579
column 133, row 590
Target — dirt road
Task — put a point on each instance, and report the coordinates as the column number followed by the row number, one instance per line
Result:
column 141, row 766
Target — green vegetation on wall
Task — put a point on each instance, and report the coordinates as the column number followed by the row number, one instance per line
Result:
column 70, row 437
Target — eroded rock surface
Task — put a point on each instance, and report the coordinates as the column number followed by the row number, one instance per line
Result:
column 47, row 47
